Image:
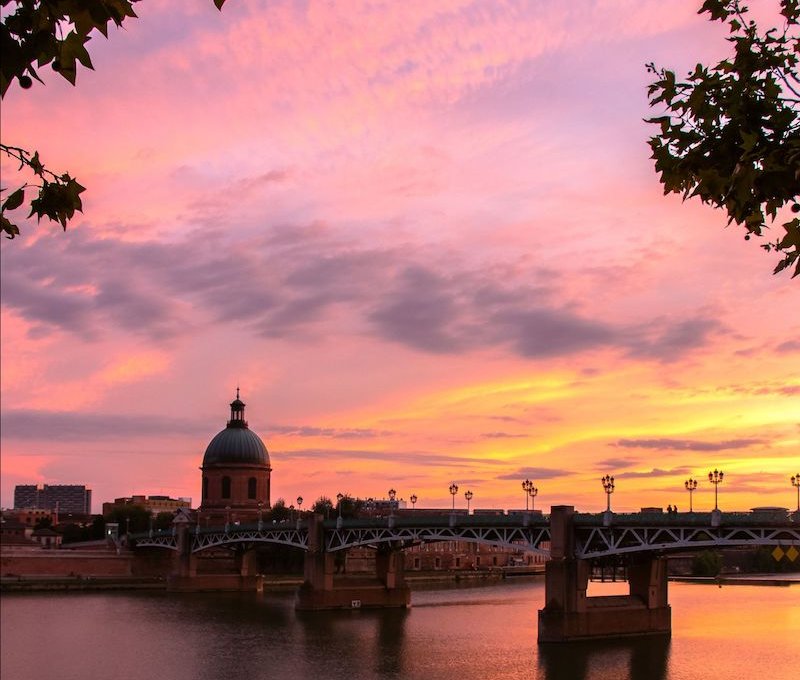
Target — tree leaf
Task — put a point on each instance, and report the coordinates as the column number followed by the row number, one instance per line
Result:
column 15, row 199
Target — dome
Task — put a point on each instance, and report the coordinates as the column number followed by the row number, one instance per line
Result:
column 236, row 444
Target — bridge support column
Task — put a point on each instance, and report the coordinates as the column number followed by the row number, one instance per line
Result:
column 184, row 564
column 569, row 614
column 319, row 591
column 390, row 568
column 250, row 579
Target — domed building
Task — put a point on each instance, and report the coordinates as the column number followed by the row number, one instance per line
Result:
column 236, row 471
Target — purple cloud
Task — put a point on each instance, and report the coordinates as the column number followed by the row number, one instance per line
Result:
column 687, row 444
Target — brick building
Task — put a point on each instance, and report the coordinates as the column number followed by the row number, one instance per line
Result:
column 153, row 504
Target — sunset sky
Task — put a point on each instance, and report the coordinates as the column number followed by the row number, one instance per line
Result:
column 426, row 240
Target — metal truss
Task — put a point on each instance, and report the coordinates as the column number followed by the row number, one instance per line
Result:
column 294, row 537
column 157, row 541
column 297, row 538
column 618, row 540
column 635, row 534
column 518, row 538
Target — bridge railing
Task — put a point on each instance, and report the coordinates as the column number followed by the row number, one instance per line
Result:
column 427, row 520
column 700, row 519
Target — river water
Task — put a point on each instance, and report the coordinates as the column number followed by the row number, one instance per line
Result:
column 728, row 633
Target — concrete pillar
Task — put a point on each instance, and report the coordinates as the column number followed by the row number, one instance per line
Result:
column 318, row 566
column 319, row 591
column 390, row 568
column 648, row 581
column 246, row 563
column 185, row 561
column 562, row 542
column 569, row 614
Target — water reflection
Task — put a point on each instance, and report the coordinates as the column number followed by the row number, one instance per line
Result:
column 634, row 658
column 368, row 642
column 453, row 634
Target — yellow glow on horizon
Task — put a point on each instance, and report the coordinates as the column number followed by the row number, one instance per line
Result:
column 135, row 367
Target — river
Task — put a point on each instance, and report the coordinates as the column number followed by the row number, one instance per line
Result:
column 729, row 633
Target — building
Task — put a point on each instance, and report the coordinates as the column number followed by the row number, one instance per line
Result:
column 64, row 498
column 29, row 517
column 153, row 504
column 235, row 472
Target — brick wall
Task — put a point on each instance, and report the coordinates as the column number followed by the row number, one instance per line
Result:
column 63, row 563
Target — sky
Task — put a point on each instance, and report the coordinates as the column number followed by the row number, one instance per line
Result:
column 425, row 239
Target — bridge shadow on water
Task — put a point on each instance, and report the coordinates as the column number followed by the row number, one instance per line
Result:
column 375, row 637
column 646, row 658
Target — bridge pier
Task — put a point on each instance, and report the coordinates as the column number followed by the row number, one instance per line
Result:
column 321, row 591
column 569, row 614
column 184, row 576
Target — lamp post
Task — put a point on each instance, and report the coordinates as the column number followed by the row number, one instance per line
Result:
column 227, row 517
column 300, row 504
column 468, row 495
column 608, row 487
column 796, row 485
column 392, row 496
column 453, row 492
column 413, row 500
column 260, row 510
column 127, row 530
column 527, row 485
column 691, row 485
column 339, row 497
column 150, row 530
column 533, row 492
column 716, row 479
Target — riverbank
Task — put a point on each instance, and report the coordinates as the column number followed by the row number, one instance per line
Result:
column 34, row 583
column 781, row 580
column 79, row 583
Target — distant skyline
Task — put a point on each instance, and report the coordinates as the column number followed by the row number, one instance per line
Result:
column 427, row 241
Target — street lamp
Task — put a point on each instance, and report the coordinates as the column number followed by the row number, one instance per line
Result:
column 527, row 485
column 413, row 500
column 691, row 485
column 468, row 495
column 716, row 479
column 796, row 485
column 453, row 492
column 300, row 504
column 608, row 487
column 392, row 496
column 227, row 517
column 533, row 492
column 339, row 497
column 260, row 510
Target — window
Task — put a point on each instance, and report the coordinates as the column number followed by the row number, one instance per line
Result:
column 205, row 488
column 226, row 487
column 437, row 562
column 417, row 563
column 251, row 487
